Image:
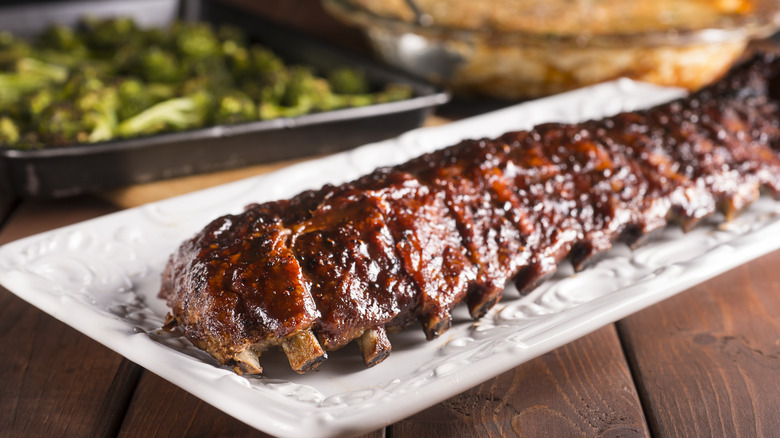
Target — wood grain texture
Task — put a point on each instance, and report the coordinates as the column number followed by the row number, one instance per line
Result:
column 161, row 409
column 707, row 361
column 36, row 216
column 581, row 389
column 55, row 381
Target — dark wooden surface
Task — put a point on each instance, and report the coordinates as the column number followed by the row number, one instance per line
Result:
column 719, row 344
column 581, row 389
column 703, row 363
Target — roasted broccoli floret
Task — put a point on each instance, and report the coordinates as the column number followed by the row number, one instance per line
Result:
column 39, row 100
column 195, row 40
column 302, row 93
column 299, row 92
column 15, row 85
column 169, row 115
column 47, row 71
column 61, row 124
column 89, row 119
column 135, row 96
column 235, row 107
column 100, row 113
column 79, row 84
column 9, row 132
column 64, row 39
column 106, row 35
column 237, row 60
column 301, row 89
column 11, row 49
column 156, row 64
column 352, row 89
column 264, row 63
column 348, row 81
column 211, row 74
column 305, row 92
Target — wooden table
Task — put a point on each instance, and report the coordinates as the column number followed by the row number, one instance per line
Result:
column 704, row 363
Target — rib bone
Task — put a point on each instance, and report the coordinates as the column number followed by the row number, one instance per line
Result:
column 247, row 362
column 374, row 346
column 303, row 351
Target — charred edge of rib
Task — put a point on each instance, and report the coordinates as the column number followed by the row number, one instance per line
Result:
column 532, row 276
column 435, row 325
column 480, row 302
column 374, row 346
column 584, row 254
column 246, row 362
column 303, row 351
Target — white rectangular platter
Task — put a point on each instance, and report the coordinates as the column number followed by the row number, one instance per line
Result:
column 102, row 276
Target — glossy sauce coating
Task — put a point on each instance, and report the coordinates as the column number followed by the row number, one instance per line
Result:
column 406, row 244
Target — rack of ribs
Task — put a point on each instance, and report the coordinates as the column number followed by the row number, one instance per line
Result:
column 406, row 244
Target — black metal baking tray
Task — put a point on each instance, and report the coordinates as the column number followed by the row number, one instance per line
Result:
column 78, row 169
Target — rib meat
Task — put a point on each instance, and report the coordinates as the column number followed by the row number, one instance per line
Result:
column 406, row 244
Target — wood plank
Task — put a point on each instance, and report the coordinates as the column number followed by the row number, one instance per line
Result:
column 707, row 361
column 161, row 409
column 36, row 216
column 55, row 381
column 581, row 389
